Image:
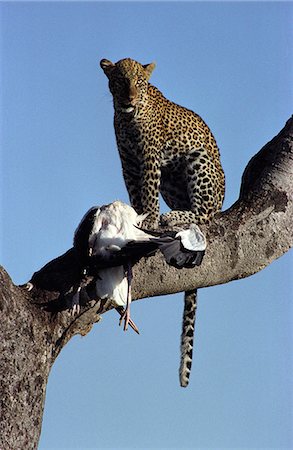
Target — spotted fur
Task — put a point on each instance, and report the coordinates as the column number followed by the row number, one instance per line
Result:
column 164, row 148
column 189, row 314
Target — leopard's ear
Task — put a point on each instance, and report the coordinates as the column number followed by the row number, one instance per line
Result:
column 107, row 66
column 149, row 68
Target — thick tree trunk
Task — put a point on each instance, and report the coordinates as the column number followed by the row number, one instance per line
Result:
column 30, row 341
column 24, row 369
column 241, row 241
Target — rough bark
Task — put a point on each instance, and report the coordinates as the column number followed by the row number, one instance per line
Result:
column 241, row 241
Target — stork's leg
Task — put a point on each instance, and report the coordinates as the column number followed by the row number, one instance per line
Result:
column 129, row 280
column 126, row 315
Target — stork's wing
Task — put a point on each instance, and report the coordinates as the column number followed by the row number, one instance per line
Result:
column 59, row 274
column 184, row 249
column 192, row 238
column 82, row 233
column 135, row 250
column 132, row 252
column 180, row 249
column 177, row 255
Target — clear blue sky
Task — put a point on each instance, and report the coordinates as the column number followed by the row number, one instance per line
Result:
column 232, row 64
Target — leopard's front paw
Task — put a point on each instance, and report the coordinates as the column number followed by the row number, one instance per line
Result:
column 170, row 219
column 150, row 224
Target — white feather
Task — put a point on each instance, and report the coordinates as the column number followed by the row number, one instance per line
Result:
column 192, row 239
column 112, row 284
column 115, row 225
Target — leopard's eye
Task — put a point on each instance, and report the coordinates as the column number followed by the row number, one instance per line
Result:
column 139, row 82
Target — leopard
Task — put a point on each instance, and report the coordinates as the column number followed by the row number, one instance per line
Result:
column 165, row 149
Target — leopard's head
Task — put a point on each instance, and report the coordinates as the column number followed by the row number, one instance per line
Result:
column 128, row 82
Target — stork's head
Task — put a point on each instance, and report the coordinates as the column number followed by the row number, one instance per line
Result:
column 128, row 83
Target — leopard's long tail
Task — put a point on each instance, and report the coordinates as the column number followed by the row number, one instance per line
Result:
column 189, row 315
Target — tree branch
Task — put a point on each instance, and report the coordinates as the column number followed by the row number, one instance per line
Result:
column 247, row 237
column 241, row 241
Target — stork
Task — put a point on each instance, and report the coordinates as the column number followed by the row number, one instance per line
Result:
column 109, row 240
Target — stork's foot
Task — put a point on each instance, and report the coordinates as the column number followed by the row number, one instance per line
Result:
column 125, row 316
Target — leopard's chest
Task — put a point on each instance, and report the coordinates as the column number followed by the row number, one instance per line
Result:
column 144, row 137
column 132, row 138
